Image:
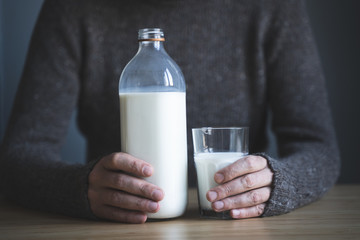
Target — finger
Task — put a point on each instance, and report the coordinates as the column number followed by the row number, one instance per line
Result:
column 247, row 199
column 242, row 184
column 133, row 185
column 127, row 163
column 127, row 201
column 241, row 167
column 254, row 211
column 120, row 215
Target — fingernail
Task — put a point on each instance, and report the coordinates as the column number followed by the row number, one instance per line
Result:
column 212, row 195
column 147, row 171
column 219, row 178
column 139, row 218
column 235, row 212
column 218, row 205
column 153, row 206
column 157, row 195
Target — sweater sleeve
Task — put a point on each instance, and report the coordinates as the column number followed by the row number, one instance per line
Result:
column 308, row 158
column 32, row 171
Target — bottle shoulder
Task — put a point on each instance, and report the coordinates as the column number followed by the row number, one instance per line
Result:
column 154, row 70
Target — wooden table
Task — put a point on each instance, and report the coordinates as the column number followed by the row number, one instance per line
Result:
column 336, row 216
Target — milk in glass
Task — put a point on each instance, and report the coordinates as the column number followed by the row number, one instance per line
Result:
column 207, row 164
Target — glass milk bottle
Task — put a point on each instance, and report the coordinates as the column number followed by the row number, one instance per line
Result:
column 153, row 119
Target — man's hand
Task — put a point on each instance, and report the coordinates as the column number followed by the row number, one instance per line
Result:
column 244, row 187
column 117, row 192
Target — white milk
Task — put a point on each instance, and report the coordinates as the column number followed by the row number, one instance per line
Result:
column 207, row 164
column 153, row 128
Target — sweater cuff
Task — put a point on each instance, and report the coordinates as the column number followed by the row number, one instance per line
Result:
column 87, row 210
column 278, row 202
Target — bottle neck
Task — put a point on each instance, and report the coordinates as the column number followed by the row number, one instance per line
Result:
column 151, row 45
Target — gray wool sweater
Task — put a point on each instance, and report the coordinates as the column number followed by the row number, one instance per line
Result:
column 241, row 60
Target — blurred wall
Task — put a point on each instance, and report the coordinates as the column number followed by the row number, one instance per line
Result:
column 336, row 29
column 17, row 19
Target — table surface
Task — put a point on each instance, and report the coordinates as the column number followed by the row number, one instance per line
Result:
column 335, row 216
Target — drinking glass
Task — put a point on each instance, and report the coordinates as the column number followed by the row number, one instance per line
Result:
column 214, row 149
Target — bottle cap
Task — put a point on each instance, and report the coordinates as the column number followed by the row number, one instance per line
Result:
column 151, row 34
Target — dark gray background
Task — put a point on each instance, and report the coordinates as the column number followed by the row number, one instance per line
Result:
column 336, row 27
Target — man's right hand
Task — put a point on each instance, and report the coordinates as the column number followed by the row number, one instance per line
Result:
column 117, row 191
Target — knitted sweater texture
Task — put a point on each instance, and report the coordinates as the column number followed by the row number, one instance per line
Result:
column 241, row 60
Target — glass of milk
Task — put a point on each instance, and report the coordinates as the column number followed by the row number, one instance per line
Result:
column 214, row 149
